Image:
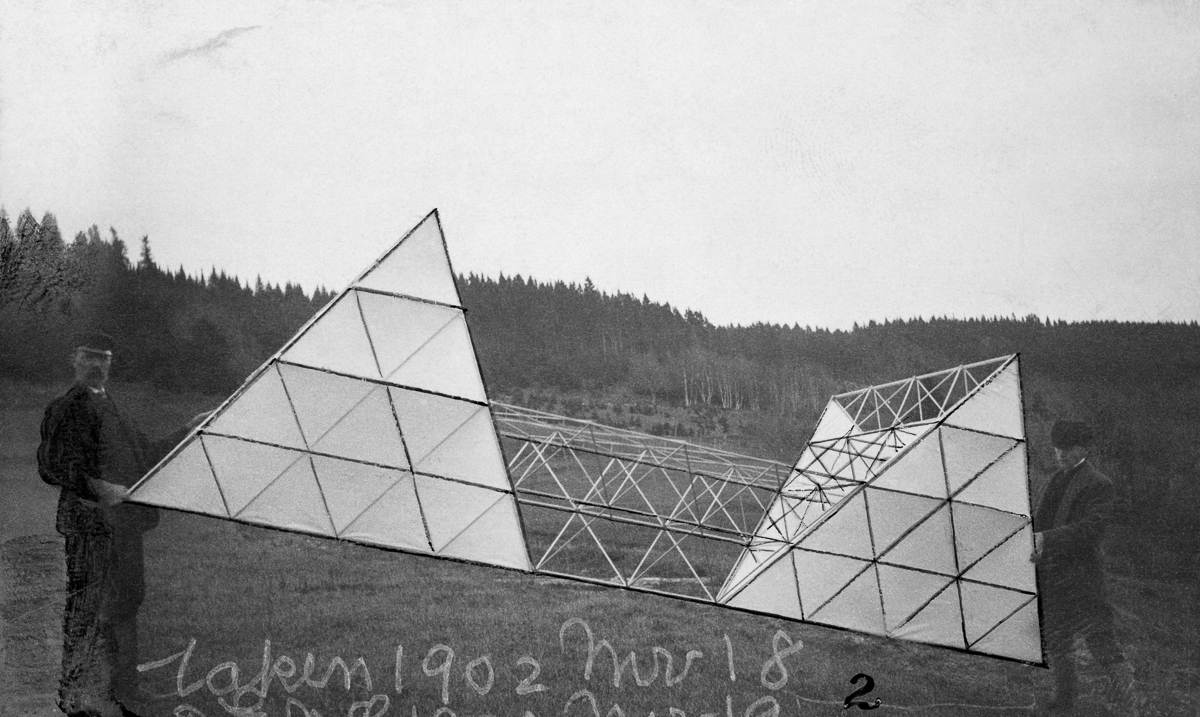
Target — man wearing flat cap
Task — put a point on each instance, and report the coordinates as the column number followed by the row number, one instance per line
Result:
column 93, row 452
column 1070, row 517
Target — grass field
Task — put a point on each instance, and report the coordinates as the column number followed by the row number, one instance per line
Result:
column 436, row 635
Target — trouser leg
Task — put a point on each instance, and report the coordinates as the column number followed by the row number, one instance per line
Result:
column 85, row 664
column 127, row 590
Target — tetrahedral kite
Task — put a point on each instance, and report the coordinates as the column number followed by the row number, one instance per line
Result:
column 907, row 514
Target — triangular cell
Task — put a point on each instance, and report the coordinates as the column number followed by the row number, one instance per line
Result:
column 320, row 398
column 426, row 421
column 350, row 488
column 978, row 530
column 292, row 502
column 672, row 561
column 244, row 469
column 567, row 545
column 445, row 364
column 400, row 327
column 336, row 341
column 1018, row 637
column 905, row 592
column 820, row 576
column 185, row 481
column 367, row 433
column 773, row 592
column 418, row 266
column 918, row 470
column 968, row 453
column 1003, row 485
column 985, row 606
column 471, row 453
column 893, row 513
column 844, row 532
column 450, row 507
column 857, row 607
column 261, row 413
column 834, row 423
column 930, row 546
column 751, row 563
column 392, row 520
column 1009, row 564
column 938, row 623
column 995, row 407
column 495, row 538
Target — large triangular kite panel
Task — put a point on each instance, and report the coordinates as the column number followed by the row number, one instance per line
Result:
column 325, row 437
column 890, row 457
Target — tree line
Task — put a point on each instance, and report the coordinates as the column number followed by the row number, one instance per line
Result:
column 1139, row 382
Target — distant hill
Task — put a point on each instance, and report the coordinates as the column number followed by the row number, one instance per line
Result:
column 1139, row 383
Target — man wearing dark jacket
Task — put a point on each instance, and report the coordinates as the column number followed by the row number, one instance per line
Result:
column 91, row 450
column 1070, row 517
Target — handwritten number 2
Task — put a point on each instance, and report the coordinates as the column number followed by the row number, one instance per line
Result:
column 527, row 685
column 867, row 687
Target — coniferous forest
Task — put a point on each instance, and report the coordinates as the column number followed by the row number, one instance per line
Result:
column 1138, row 383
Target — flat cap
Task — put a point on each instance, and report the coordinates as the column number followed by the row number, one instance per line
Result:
column 95, row 342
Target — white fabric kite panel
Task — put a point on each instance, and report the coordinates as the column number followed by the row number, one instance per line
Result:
column 293, row 502
column 857, row 607
column 185, row 482
column 350, row 488
column 930, row 546
column 446, row 364
column 450, row 507
column 984, row 607
column 821, row 576
column 893, row 513
column 1018, row 637
column 774, row 592
column 1009, row 564
column 845, row 532
column 244, row 469
column 471, row 453
column 495, row 538
column 968, row 453
column 394, row 520
column 834, row 423
column 919, row 470
column 995, row 407
column 978, row 530
column 938, row 623
column 1003, row 485
column 417, row 267
column 751, row 561
column 261, row 413
column 367, row 433
column 321, row 399
column 336, row 341
column 426, row 421
column 400, row 327
column 905, row 592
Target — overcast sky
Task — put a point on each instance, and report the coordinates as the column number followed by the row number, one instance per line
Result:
column 820, row 163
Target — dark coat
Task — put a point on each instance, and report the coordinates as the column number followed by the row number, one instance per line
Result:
column 1072, row 534
column 86, row 437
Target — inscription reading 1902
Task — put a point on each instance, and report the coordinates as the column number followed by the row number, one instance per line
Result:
column 463, row 680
